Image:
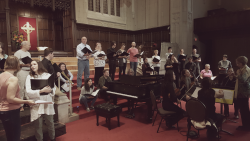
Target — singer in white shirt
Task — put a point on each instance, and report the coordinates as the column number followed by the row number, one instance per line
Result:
column 83, row 62
column 41, row 112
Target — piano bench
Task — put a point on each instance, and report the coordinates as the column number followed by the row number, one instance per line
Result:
column 108, row 111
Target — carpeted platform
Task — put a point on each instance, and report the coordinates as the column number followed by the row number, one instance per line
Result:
column 138, row 129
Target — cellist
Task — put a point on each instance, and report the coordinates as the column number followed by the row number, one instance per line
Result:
column 186, row 82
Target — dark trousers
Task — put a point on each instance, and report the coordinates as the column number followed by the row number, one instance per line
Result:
column 103, row 94
column 11, row 123
column 244, row 111
column 211, row 130
column 236, row 108
column 112, row 67
column 122, row 69
column 157, row 69
column 175, row 117
column 220, row 78
column 98, row 74
column 177, row 79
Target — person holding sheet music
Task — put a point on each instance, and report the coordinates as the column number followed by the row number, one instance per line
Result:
column 229, row 81
column 85, row 95
column 63, row 79
column 10, row 99
column 112, row 55
column 169, row 53
column 25, row 68
column 156, row 60
column 181, row 59
column 122, row 60
column 242, row 91
column 172, row 64
column 196, row 60
column 207, row 96
column 169, row 98
column 83, row 61
column 3, row 56
column 99, row 62
column 146, row 69
column 133, row 60
column 41, row 112
column 223, row 66
column 206, row 72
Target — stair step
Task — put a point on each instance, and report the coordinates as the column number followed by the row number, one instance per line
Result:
column 28, row 132
column 24, row 117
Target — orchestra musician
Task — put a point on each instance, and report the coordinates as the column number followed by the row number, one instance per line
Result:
column 169, row 98
column 63, row 79
column 206, row 72
column 170, row 66
column 186, row 82
column 207, row 96
column 230, row 81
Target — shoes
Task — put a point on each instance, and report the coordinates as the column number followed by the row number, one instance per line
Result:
column 243, row 128
column 92, row 108
column 79, row 88
column 236, row 117
column 77, row 109
column 88, row 110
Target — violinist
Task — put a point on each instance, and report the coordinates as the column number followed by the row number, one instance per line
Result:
column 144, row 66
column 169, row 98
column 186, row 82
column 230, row 81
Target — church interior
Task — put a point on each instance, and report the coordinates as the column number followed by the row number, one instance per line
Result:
column 212, row 27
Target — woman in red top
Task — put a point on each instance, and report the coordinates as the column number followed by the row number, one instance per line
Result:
column 10, row 101
column 133, row 60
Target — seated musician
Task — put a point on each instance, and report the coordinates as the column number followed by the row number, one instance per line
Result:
column 230, row 81
column 191, row 66
column 144, row 66
column 63, row 79
column 169, row 98
column 85, row 95
column 169, row 66
column 206, row 72
column 103, row 85
column 207, row 96
column 186, row 82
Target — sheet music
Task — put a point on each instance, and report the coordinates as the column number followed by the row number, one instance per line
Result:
column 212, row 78
column 227, row 99
column 95, row 92
column 65, row 87
column 228, row 96
column 43, row 102
column 141, row 53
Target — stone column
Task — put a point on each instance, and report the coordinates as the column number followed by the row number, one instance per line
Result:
column 62, row 107
column 181, row 24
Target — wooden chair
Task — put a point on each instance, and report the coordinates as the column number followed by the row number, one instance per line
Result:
column 163, row 113
column 196, row 111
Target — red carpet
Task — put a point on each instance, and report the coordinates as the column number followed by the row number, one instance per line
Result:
column 138, row 130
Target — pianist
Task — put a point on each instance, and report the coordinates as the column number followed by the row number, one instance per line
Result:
column 103, row 85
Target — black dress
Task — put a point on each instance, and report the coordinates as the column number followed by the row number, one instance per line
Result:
column 112, row 63
column 168, row 104
column 176, row 71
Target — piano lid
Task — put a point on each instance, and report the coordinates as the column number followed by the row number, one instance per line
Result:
column 137, row 80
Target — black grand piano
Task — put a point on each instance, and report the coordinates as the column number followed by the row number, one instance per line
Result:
column 137, row 88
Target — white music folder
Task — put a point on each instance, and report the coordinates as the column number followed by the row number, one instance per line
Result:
column 43, row 102
column 95, row 92
column 65, row 87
